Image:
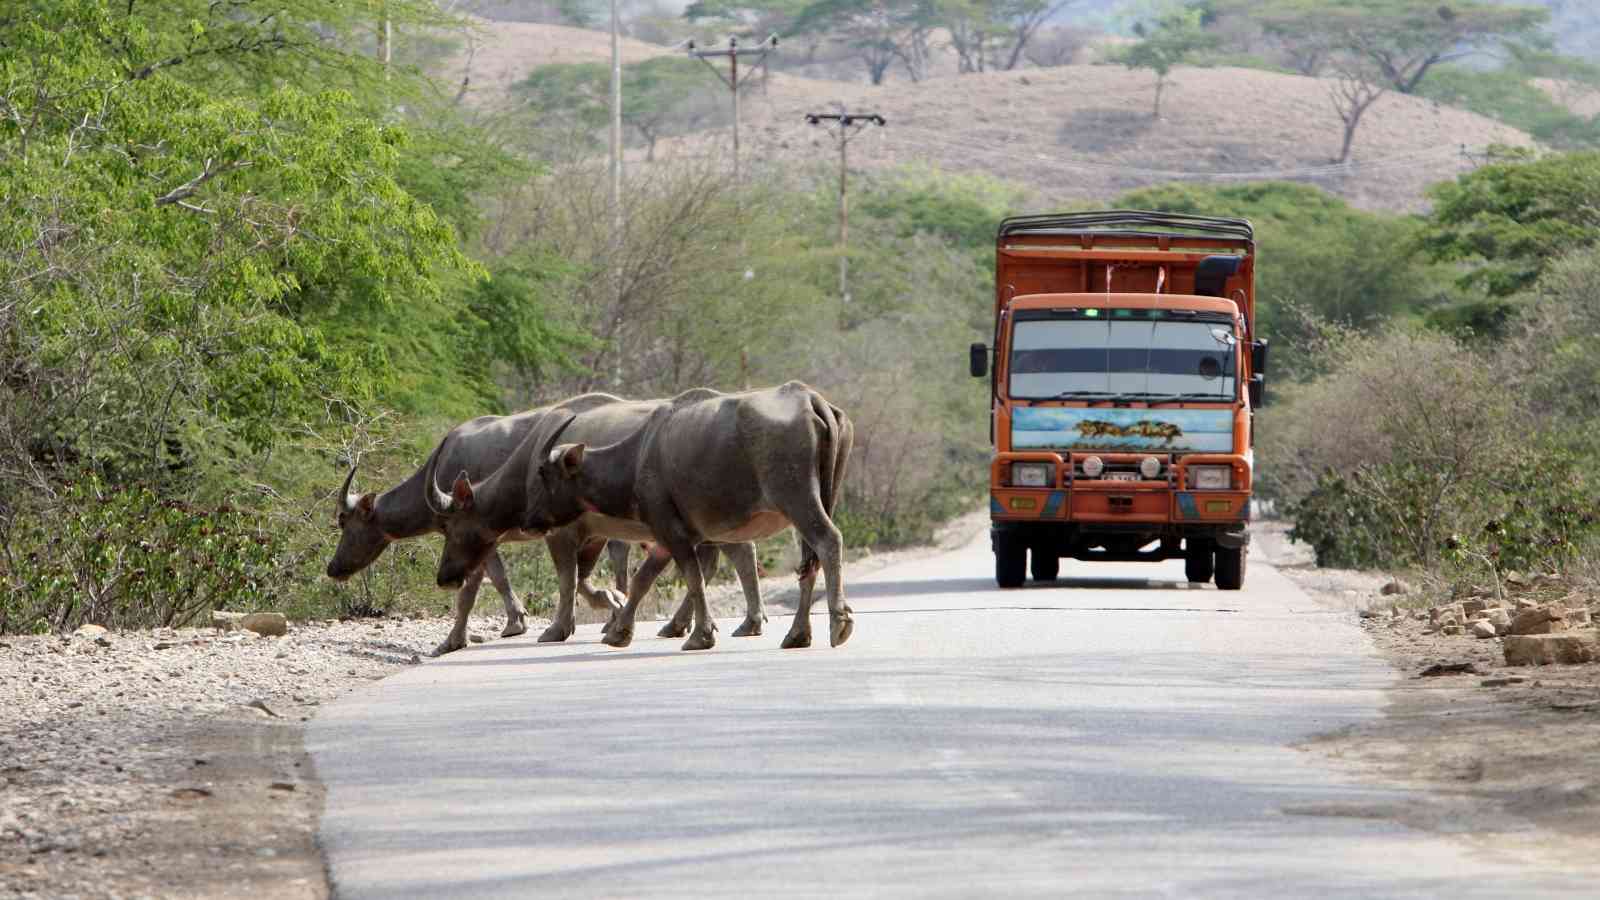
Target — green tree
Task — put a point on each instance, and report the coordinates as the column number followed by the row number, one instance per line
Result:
column 662, row 96
column 1166, row 40
column 1401, row 39
column 1507, row 221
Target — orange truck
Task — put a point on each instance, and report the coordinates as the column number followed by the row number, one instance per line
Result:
column 1126, row 371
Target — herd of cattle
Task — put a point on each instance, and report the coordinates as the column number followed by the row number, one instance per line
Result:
column 702, row 474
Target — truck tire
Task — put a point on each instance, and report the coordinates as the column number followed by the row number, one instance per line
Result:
column 1010, row 561
column 1046, row 564
column 1230, row 569
column 1197, row 556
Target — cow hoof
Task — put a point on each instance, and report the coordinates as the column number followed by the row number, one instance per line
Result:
column 750, row 628
column 619, row 637
column 704, row 639
column 840, row 629
column 555, row 634
column 450, row 645
column 673, row 629
column 796, row 640
column 514, row 627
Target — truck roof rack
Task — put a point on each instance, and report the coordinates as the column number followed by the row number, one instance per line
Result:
column 1129, row 222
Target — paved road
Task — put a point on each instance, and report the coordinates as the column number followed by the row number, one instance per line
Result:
column 1120, row 734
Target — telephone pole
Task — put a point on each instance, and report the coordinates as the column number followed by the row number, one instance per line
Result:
column 733, row 80
column 614, row 194
column 849, row 125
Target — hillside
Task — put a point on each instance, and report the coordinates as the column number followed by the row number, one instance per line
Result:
column 1075, row 133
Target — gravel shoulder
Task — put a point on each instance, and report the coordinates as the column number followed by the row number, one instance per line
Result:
column 170, row 763
column 1509, row 766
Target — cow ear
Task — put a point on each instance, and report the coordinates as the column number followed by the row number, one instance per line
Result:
column 364, row 505
column 461, row 492
column 571, row 460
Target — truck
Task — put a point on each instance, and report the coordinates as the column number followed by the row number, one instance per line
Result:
column 1124, row 376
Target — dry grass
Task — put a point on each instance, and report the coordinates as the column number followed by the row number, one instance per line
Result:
column 1579, row 99
column 1074, row 133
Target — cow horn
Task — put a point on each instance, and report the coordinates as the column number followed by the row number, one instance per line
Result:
column 439, row 501
column 347, row 500
column 551, row 444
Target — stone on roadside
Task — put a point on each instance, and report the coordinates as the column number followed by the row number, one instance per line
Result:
column 1483, row 628
column 225, row 621
column 1394, row 587
column 1538, row 620
column 268, row 624
column 1473, row 605
column 1525, row 603
column 1579, row 616
column 1545, row 649
column 90, row 631
column 1516, row 578
column 1451, row 629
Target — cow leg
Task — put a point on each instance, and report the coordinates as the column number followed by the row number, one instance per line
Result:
column 678, row 625
column 704, row 635
column 823, row 545
column 516, row 613
column 465, row 598
column 603, row 599
column 621, row 635
column 618, row 552
column 564, row 553
column 743, row 557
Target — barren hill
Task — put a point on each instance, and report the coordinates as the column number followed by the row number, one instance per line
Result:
column 1073, row 132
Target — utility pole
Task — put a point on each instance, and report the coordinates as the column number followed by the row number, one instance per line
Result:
column 849, row 125
column 385, row 39
column 733, row 79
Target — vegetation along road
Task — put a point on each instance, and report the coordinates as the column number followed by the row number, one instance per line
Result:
column 1119, row 734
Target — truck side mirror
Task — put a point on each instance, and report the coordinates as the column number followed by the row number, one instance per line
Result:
column 978, row 360
column 1258, row 390
column 1258, row 357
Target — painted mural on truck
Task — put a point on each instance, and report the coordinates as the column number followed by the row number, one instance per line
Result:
column 1161, row 430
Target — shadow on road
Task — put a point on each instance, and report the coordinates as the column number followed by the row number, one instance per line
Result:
column 903, row 587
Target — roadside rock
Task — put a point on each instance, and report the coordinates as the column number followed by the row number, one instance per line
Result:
column 1394, row 587
column 225, row 621
column 1538, row 620
column 1545, row 649
column 1483, row 628
column 267, row 624
column 90, row 631
column 1500, row 619
column 1579, row 616
column 1473, row 606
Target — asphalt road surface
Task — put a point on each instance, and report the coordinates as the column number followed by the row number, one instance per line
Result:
column 1116, row 734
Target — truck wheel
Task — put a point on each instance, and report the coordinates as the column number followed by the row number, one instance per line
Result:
column 1046, row 564
column 1197, row 554
column 1010, row 561
column 1230, row 569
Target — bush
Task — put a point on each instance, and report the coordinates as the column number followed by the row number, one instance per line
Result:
column 123, row 557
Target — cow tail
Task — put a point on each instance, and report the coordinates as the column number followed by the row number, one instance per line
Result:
column 835, row 439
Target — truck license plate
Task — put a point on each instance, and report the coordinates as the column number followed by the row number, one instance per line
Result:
column 1122, row 476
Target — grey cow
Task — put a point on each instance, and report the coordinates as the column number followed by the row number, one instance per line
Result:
column 475, row 521
column 370, row 522
column 705, row 467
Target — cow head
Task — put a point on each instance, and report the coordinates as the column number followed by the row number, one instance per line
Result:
column 468, row 538
column 555, row 493
column 361, row 541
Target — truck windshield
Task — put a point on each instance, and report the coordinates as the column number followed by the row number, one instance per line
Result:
column 1107, row 359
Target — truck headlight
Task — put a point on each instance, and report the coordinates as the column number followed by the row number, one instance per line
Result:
column 1031, row 474
column 1093, row 466
column 1150, row 467
column 1210, row 478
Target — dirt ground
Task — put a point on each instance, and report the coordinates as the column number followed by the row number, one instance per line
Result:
column 1511, row 767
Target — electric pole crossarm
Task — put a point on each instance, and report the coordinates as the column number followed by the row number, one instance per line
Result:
column 733, row 80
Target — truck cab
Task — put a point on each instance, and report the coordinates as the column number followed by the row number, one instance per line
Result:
column 1124, row 376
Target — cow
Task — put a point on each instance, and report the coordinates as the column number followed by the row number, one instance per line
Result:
column 705, row 467
column 475, row 525
column 370, row 522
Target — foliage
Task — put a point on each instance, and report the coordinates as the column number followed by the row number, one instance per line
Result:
column 1507, row 94
column 1402, row 40
column 660, row 97
column 122, row 556
column 1508, row 220
column 1171, row 37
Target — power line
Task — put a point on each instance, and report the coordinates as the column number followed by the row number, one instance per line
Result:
column 849, row 125
column 733, row 79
